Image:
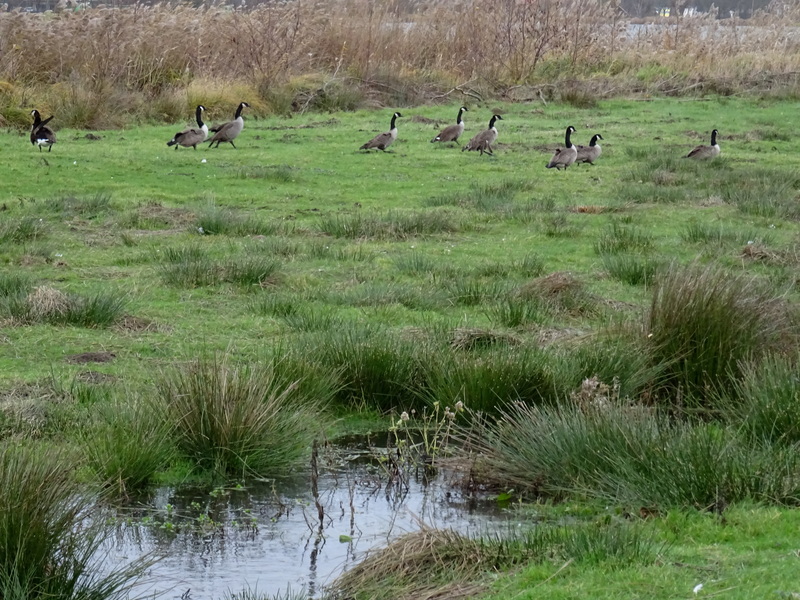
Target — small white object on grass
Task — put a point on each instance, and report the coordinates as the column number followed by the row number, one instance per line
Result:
column 696, row 589
column 203, row 161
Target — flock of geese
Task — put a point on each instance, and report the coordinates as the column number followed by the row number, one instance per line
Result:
column 42, row 135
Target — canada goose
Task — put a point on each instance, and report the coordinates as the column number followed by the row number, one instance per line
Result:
column 565, row 156
column 383, row 140
column 483, row 141
column 42, row 135
column 451, row 133
column 590, row 153
column 227, row 132
column 190, row 137
column 702, row 152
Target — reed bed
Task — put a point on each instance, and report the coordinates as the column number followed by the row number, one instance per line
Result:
column 99, row 66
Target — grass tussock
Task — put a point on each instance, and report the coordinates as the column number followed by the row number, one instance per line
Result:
column 765, row 402
column 22, row 230
column 217, row 221
column 390, row 226
column 597, row 447
column 236, row 419
column 49, row 305
column 127, row 444
column 192, row 267
column 704, row 324
column 437, row 563
column 51, row 531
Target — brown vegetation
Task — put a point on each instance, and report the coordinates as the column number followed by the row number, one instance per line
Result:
column 107, row 66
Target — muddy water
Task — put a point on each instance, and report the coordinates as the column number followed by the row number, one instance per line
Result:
column 267, row 535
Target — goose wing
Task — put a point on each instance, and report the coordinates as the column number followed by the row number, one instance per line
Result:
column 380, row 141
column 450, row 133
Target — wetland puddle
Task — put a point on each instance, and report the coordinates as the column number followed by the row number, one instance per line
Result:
column 267, row 536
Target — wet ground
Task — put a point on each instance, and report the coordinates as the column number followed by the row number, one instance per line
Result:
column 268, row 536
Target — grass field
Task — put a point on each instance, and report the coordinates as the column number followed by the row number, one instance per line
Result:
column 106, row 210
column 143, row 285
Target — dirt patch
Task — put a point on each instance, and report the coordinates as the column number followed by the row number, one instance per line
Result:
column 425, row 120
column 171, row 217
column 552, row 285
column 131, row 324
column 759, row 252
column 470, row 339
column 95, row 377
column 591, row 209
column 90, row 357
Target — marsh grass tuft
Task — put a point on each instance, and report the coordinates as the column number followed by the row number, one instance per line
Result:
column 390, row 226
column 88, row 207
column 51, row 531
column 48, row 305
column 706, row 233
column 414, row 564
column 127, row 444
column 765, row 402
column 633, row 269
column 486, row 379
column 14, row 284
column 19, row 231
column 620, row 238
column 236, row 419
column 631, row 455
column 217, row 221
column 703, row 324
column 484, row 197
column 377, row 368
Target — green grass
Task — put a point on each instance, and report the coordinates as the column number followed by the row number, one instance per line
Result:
column 744, row 555
column 51, row 531
column 372, row 283
column 238, row 420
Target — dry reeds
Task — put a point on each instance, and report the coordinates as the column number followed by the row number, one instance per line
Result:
column 95, row 66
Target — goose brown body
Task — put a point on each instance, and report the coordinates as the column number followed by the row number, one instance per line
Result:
column 483, row 141
column 565, row 156
column 383, row 140
column 590, row 153
column 705, row 152
column 227, row 132
column 190, row 137
column 451, row 133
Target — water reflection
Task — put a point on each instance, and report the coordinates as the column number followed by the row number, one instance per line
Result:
column 268, row 535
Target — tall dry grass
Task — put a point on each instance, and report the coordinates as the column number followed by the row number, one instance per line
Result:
column 101, row 66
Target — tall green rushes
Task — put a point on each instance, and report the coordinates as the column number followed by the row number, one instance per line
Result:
column 765, row 403
column 51, row 532
column 236, row 419
column 632, row 455
column 704, row 323
column 127, row 444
